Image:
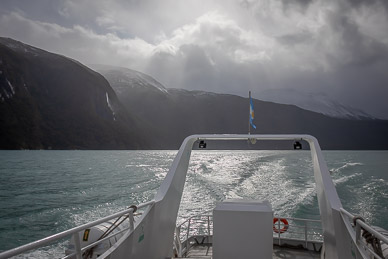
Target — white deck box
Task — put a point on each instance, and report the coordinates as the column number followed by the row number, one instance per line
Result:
column 242, row 229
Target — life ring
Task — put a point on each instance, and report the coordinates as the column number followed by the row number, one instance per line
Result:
column 283, row 229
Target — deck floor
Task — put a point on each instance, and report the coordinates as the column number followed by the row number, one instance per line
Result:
column 203, row 251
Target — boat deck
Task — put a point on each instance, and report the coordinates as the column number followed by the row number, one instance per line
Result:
column 205, row 251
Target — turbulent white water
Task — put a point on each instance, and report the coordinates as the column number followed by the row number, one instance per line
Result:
column 284, row 178
column 43, row 192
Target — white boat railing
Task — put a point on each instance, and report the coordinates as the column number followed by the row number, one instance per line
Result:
column 75, row 232
column 359, row 230
column 201, row 226
column 155, row 228
column 197, row 225
column 305, row 230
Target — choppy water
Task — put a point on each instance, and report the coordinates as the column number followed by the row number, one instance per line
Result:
column 44, row 192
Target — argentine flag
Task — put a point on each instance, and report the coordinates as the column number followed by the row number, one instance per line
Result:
column 251, row 114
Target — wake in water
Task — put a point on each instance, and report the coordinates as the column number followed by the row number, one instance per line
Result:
column 44, row 192
column 362, row 186
column 263, row 175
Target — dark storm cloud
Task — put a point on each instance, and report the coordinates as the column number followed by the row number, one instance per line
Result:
column 335, row 47
column 354, row 48
column 297, row 38
column 366, row 3
column 301, row 4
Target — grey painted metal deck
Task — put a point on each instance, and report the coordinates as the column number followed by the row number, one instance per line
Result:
column 204, row 251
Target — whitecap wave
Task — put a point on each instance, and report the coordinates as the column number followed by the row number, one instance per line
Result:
column 345, row 178
column 345, row 166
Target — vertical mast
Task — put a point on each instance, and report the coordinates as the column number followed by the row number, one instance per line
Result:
column 249, row 114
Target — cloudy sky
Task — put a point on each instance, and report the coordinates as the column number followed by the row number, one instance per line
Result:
column 335, row 48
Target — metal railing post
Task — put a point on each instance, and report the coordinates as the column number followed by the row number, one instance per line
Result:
column 131, row 221
column 305, row 233
column 187, row 236
column 208, row 228
column 178, row 237
column 278, row 222
column 358, row 235
column 77, row 243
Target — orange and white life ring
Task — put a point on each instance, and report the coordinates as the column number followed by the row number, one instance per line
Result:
column 275, row 225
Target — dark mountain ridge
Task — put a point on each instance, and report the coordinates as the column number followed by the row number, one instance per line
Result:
column 50, row 101
column 177, row 113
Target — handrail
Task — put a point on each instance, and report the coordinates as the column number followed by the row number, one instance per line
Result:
column 170, row 192
column 205, row 218
column 206, row 215
column 55, row 237
column 366, row 226
column 96, row 243
column 358, row 225
column 202, row 214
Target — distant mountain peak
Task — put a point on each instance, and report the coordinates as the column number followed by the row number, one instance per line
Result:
column 194, row 93
column 317, row 102
column 20, row 47
column 123, row 78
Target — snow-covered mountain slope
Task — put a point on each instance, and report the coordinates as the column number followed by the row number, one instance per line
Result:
column 313, row 102
column 126, row 81
column 122, row 79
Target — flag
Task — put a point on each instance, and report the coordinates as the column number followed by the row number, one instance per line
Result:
column 251, row 114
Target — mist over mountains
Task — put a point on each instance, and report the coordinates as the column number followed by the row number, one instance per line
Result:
column 177, row 113
column 320, row 103
column 50, row 101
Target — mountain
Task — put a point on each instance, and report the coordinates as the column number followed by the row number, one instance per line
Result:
column 48, row 101
column 177, row 113
column 125, row 79
column 320, row 103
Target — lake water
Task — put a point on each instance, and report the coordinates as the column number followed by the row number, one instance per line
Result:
column 44, row 192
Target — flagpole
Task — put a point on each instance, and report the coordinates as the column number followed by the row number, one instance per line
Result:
column 249, row 114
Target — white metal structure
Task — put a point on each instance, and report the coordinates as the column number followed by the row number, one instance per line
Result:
column 242, row 229
column 152, row 234
column 198, row 229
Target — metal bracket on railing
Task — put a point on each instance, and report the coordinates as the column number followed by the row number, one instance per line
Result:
column 357, row 228
column 77, row 243
column 355, row 218
column 134, row 207
column 131, row 221
column 130, row 216
column 370, row 239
